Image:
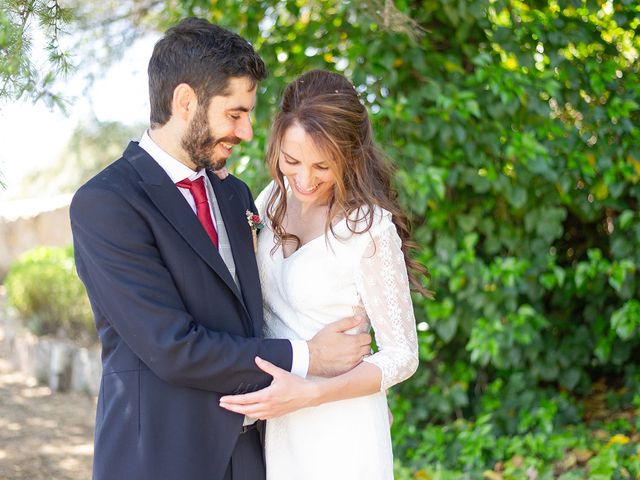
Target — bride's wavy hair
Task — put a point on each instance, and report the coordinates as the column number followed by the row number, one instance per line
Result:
column 328, row 108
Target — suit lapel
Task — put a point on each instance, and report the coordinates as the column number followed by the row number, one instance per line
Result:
column 239, row 233
column 170, row 202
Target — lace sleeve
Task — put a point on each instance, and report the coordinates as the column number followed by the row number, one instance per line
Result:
column 383, row 286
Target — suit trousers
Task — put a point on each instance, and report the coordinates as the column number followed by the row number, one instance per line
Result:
column 247, row 460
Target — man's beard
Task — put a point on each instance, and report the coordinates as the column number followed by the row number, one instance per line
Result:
column 200, row 144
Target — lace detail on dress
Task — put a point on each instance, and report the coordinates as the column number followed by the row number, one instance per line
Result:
column 383, row 285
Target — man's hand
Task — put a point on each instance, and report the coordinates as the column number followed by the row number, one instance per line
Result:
column 333, row 352
column 287, row 393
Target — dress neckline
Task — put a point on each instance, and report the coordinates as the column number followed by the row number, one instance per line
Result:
column 300, row 248
column 313, row 240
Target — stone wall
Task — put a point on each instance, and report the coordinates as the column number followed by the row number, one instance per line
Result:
column 57, row 363
column 25, row 224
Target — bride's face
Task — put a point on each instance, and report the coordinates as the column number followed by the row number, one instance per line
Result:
column 310, row 177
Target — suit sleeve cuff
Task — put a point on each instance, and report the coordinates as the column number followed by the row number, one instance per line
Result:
column 300, row 363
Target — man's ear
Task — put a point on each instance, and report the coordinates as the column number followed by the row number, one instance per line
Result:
column 184, row 102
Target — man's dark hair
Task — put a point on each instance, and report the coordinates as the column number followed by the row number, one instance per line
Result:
column 202, row 55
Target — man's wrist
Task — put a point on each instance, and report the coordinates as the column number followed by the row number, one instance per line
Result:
column 300, row 358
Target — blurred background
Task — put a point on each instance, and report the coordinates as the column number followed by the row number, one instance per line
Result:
column 514, row 129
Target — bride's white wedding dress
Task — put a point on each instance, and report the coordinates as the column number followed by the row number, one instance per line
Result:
column 319, row 283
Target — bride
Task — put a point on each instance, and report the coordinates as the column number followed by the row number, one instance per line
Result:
column 335, row 244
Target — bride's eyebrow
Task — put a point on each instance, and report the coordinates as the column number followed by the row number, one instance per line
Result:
column 321, row 162
column 289, row 156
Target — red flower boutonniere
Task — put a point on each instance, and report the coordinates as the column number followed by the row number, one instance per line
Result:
column 253, row 219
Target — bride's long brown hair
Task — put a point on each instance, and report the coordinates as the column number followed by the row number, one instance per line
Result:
column 327, row 107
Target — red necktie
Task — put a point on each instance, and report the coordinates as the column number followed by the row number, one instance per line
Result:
column 199, row 193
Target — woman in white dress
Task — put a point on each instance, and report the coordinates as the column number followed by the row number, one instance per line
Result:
column 335, row 244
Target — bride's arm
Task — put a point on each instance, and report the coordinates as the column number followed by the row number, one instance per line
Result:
column 383, row 285
column 288, row 392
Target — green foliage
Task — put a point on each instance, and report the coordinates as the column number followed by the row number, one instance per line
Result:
column 21, row 72
column 470, row 450
column 43, row 287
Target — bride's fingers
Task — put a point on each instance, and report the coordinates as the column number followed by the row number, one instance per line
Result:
column 244, row 409
column 239, row 408
column 244, row 399
column 268, row 367
column 253, row 411
column 230, row 407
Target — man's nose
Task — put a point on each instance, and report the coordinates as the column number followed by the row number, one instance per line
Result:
column 244, row 131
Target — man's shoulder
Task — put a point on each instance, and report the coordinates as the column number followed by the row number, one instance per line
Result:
column 115, row 177
column 120, row 174
column 118, row 179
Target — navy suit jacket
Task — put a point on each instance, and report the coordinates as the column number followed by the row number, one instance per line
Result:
column 176, row 332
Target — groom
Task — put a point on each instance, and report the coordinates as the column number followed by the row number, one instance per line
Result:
column 165, row 252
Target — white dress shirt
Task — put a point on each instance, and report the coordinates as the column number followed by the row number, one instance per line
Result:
column 178, row 171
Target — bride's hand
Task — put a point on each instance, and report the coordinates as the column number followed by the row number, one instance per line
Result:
column 287, row 393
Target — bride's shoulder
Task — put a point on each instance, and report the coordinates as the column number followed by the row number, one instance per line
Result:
column 369, row 219
column 364, row 227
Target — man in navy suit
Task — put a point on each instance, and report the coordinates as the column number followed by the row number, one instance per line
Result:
column 166, row 254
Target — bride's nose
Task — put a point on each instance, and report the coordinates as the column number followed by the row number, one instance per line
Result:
column 306, row 180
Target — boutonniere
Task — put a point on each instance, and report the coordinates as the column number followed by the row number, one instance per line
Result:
column 253, row 219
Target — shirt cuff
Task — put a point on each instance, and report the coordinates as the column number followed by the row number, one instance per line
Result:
column 300, row 363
